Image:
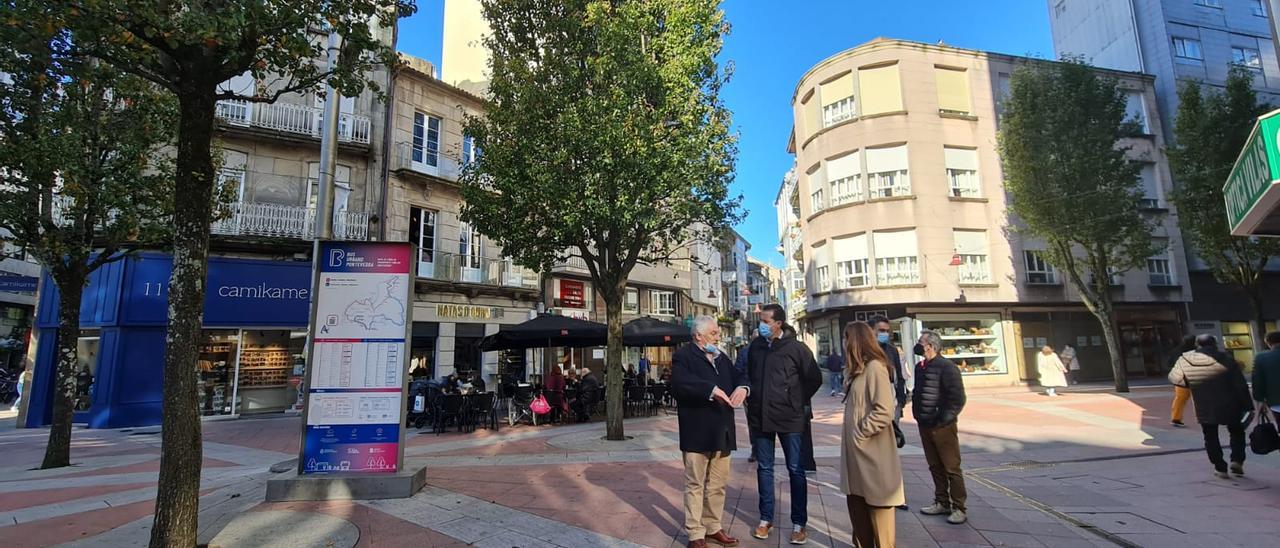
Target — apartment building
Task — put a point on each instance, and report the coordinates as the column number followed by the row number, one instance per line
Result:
column 736, row 324
column 902, row 213
column 790, row 243
column 465, row 288
column 257, row 302
column 1179, row 41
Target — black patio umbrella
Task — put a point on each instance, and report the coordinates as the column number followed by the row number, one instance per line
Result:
column 648, row 331
column 545, row 331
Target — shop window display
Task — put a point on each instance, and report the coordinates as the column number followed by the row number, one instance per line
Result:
column 974, row 343
column 86, row 370
column 267, row 360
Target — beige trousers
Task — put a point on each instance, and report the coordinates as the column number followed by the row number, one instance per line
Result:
column 705, row 476
column 873, row 526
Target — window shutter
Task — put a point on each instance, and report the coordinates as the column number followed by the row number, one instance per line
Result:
column 837, row 89
column 844, row 166
column 953, row 89
column 887, row 159
column 961, row 158
column 971, row 242
column 880, row 90
column 901, row 243
column 850, row 248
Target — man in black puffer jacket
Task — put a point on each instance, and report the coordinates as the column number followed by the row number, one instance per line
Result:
column 936, row 402
column 784, row 376
column 1221, row 396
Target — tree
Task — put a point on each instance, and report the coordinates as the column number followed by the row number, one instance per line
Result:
column 1071, row 185
column 605, row 139
column 1211, row 129
column 189, row 47
column 82, row 179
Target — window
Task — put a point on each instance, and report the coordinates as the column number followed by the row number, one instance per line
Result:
column 341, row 187
column 232, row 175
column 1187, row 49
column 880, row 90
column 887, row 172
column 1135, row 110
column 426, row 140
column 816, row 198
column 1246, row 57
column 1039, row 271
column 812, row 114
column 1210, row 3
column 469, row 150
column 631, row 302
column 962, row 172
column 824, row 277
column 1159, row 270
column 1150, row 187
column 822, row 267
column 837, row 100
column 422, row 231
column 662, row 303
column 469, row 245
column 971, row 246
column 845, row 174
column 953, row 90
column 851, row 262
column 1257, row 8
column 897, row 260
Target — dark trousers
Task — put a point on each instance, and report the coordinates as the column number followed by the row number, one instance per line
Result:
column 762, row 446
column 942, row 452
column 806, row 449
column 1213, row 446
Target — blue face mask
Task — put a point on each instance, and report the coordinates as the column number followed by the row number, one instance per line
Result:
column 711, row 348
column 764, row 330
column 883, row 338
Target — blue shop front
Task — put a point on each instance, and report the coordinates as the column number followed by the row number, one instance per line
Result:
column 251, row 359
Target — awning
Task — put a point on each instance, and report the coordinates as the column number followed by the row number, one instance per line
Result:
column 648, row 331
column 545, row 331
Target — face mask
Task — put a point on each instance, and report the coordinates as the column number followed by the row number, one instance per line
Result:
column 919, row 349
column 883, row 338
column 710, row 348
column 764, row 330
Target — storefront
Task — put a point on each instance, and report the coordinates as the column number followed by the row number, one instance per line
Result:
column 446, row 335
column 250, row 361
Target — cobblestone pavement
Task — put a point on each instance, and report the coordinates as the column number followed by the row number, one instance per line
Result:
column 1091, row 468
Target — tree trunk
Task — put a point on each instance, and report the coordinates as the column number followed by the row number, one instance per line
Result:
column 57, row 452
column 178, row 495
column 613, row 364
column 1106, row 316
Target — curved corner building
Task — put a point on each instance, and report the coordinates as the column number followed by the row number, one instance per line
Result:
column 902, row 212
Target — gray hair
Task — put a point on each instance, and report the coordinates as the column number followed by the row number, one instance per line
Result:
column 702, row 323
column 932, row 339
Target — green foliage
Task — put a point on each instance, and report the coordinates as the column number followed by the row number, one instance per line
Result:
column 1069, row 182
column 81, row 169
column 604, row 135
column 1212, row 128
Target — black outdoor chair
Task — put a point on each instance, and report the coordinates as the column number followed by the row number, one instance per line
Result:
column 483, row 411
column 657, row 395
column 451, row 406
column 635, row 401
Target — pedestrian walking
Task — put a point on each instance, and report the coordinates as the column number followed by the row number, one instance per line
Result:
column 784, row 375
column 1266, row 377
column 1068, row 356
column 740, row 365
column 870, row 471
column 936, row 403
column 835, row 373
column 1180, row 393
column 1052, row 372
column 707, row 389
column 1222, row 399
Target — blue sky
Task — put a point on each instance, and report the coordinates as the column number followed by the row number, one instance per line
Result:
column 772, row 46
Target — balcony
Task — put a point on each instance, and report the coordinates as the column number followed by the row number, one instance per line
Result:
column 453, row 268
column 418, row 160
column 572, row 263
column 729, row 276
column 290, row 118
column 287, row 221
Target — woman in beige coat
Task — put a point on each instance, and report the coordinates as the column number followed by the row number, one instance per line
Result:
column 870, row 472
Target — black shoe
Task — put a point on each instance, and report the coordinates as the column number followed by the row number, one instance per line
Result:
column 1178, row 424
column 904, row 508
column 1237, row 468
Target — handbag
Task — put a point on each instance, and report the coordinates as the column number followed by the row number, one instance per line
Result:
column 1264, row 438
column 540, row 405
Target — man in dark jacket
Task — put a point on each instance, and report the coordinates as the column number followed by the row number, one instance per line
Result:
column 784, row 376
column 707, row 389
column 936, row 402
column 1221, row 396
column 835, row 371
column 1266, row 376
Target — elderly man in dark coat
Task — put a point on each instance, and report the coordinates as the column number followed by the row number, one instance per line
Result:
column 707, row 389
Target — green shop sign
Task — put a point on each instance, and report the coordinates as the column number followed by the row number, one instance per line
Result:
column 1252, row 191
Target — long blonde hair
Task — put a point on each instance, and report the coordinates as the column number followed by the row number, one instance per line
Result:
column 860, row 349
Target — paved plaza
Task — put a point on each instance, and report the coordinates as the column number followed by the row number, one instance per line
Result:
column 1091, row 468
